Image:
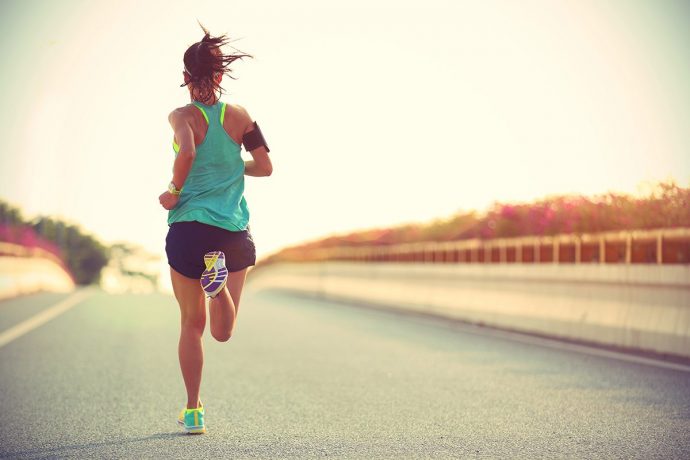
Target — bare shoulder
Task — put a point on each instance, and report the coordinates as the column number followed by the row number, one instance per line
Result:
column 180, row 114
column 240, row 115
column 241, row 111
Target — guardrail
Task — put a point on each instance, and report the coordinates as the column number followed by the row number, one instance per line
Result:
column 633, row 306
column 660, row 246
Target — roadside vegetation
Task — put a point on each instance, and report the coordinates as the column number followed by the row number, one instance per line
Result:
column 666, row 205
column 82, row 254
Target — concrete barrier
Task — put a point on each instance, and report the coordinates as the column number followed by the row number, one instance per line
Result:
column 642, row 307
column 26, row 275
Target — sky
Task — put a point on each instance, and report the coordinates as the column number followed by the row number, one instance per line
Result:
column 377, row 112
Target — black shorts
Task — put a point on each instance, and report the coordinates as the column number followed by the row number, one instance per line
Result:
column 187, row 242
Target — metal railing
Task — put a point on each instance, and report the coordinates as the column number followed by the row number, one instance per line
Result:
column 660, row 246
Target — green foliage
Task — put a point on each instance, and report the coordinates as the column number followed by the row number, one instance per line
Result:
column 10, row 215
column 82, row 254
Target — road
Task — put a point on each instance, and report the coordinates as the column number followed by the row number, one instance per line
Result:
column 308, row 378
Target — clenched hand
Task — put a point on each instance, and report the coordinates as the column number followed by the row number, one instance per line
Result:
column 168, row 200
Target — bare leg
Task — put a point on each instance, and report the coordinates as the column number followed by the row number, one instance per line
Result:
column 190, row 296
column 224, row 307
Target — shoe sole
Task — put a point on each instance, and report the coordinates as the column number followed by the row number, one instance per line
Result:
column 213, row 280
column 210, row 258
column 201, row 430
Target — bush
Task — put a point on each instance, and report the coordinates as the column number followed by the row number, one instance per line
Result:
column 82, row 254
column 667, row 206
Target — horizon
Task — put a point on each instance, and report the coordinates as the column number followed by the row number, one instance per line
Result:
column 644, row 190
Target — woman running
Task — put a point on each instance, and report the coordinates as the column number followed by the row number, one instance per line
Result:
column 208, row 245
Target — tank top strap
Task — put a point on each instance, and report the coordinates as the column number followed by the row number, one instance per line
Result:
column 203, row 112
column 222, row 113
column 215, row 112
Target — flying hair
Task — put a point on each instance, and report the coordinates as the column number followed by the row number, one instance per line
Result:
column 204, row 60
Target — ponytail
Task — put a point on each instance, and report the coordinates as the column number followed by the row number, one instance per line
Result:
column 204, row 60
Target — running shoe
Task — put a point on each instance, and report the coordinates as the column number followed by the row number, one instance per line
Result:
column 193, row 420
column 216, row 274
column 180, row 418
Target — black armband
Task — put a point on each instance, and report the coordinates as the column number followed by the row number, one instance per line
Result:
column 254, row 139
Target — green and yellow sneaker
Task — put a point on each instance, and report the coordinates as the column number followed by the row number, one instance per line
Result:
column 192, row 420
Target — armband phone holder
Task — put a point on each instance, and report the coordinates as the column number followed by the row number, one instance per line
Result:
column 254, row 139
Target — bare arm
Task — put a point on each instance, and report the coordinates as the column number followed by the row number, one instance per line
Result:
column 260, row 165
column 184, row 137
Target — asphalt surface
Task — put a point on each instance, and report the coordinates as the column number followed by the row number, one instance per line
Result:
column 305, row 378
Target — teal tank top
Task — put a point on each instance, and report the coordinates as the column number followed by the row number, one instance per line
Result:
column 213, row 193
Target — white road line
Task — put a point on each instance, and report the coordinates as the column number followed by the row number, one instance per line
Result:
column 42, row 317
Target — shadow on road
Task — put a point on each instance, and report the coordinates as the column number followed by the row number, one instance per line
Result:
column 62, row 450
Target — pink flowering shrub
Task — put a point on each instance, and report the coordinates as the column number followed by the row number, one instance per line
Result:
column 667, row 206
